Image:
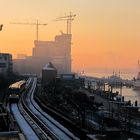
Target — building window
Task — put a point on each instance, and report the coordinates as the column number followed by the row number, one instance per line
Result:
column 2, row 65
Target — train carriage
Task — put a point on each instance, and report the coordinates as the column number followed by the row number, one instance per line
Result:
column 15, row 90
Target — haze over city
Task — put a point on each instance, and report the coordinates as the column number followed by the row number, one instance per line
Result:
column 70, row 69
column 105, row 34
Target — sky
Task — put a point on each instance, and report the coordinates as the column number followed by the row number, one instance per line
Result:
column 105, row 33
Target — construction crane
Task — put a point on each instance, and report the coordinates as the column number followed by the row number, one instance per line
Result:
column 69, row 18
column 37, row 24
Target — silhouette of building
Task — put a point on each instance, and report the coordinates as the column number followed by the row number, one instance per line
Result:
column 49, row 74
column 21, row 56
column 6, row 65
column 58, row 52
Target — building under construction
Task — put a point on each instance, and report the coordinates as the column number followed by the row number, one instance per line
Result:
column 58, row 52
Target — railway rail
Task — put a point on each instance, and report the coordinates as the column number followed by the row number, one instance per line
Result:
column 43, row 126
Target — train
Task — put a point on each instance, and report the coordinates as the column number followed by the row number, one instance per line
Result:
column 15, row 90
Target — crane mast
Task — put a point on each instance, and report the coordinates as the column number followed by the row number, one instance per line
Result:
column 68, row 18
column 37, row 24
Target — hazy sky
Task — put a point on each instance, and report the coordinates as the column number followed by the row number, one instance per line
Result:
column 106, row 33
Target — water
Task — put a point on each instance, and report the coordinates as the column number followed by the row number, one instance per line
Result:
column 128, row 76
column 129, row 94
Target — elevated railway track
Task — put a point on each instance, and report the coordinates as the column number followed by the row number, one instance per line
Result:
column 33, row 122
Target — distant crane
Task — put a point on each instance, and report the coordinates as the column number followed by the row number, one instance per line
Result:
column 37, row 24
column 69, row 18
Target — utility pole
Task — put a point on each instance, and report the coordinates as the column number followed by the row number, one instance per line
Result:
column 68, row 18
column 37, row 24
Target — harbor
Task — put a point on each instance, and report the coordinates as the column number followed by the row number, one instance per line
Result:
column 126, row 89
column 120, row 102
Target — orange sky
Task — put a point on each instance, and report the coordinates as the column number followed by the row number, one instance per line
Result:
column 106, row 33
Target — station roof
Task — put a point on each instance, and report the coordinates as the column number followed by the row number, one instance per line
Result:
column 49, row 66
